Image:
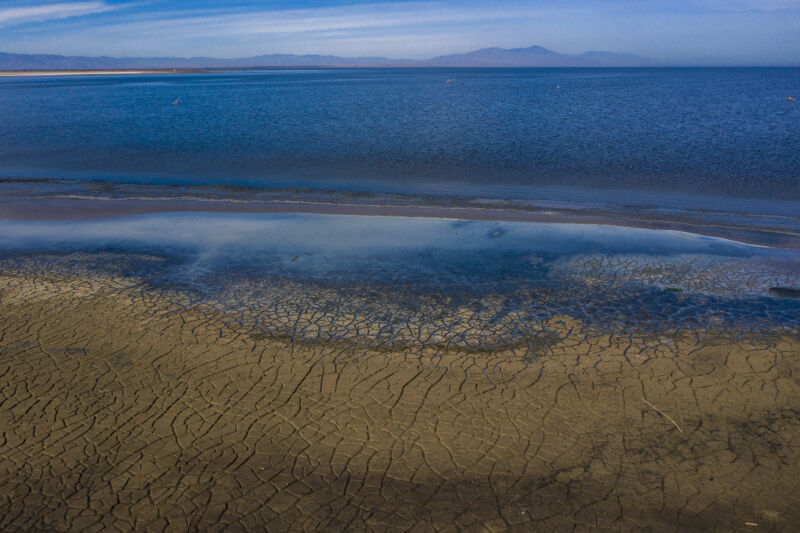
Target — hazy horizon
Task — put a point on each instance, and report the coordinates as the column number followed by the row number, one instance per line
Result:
column 724, row 32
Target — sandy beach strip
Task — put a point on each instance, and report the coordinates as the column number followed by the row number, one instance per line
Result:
column 123, row 72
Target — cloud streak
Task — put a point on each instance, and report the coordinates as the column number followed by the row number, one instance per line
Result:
column 750, row 5
column 10, row 16
column 359, row 17
column 673, row 30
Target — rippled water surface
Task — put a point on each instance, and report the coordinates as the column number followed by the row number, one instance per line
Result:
column 714, row 131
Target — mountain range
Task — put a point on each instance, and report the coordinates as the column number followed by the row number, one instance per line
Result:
column 534, row 56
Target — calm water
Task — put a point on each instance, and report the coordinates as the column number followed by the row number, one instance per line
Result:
column 610, row 277
column 728, row 132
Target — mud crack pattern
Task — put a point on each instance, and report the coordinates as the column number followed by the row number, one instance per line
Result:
column 125, row 408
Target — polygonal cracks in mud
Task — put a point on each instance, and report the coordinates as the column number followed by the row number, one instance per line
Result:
column 132, row 408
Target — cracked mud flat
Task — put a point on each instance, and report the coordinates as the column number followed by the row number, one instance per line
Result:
column 468, row 376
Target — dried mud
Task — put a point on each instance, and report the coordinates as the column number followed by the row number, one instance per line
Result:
column 124, row 407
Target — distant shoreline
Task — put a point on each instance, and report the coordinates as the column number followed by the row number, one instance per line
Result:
column 210, row 70
column 105, row 72
column 493, row 57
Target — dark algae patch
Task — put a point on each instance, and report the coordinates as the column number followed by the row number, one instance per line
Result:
column 785, row 292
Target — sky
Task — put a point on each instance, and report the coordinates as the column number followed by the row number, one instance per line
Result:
column 672, row 31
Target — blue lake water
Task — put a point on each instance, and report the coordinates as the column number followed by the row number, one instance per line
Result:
column 721, row 132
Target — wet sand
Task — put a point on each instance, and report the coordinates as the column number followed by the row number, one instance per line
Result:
column 125, row 407
column 55, row 200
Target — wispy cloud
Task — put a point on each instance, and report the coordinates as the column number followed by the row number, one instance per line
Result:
column 10, row 16
column 752, row 30
column 749, row 5
column 358, row 17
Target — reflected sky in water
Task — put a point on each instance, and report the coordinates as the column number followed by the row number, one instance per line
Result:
column 601, row 273
column 347, row 233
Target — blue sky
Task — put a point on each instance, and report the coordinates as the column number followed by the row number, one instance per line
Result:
column 724, row 31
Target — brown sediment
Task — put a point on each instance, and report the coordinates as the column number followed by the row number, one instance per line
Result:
column 126, row 408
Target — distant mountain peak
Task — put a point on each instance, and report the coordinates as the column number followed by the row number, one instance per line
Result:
column 532, row 56
column 538, row 56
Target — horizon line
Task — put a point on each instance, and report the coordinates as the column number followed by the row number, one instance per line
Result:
column 391, row 62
